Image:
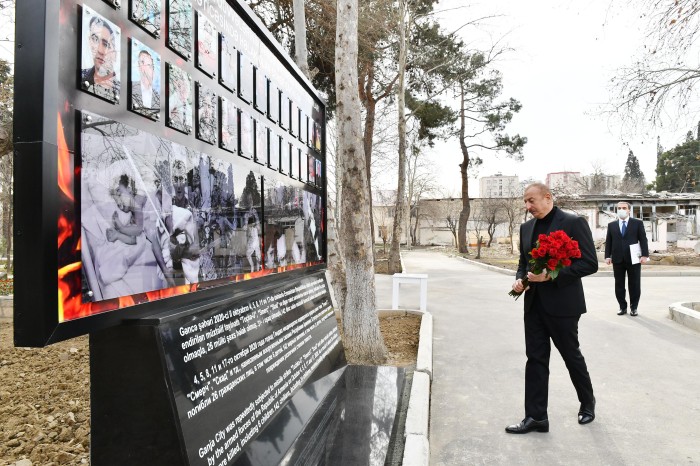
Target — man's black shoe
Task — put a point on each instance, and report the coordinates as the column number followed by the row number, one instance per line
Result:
column 586, row 414
column 633, row 312
column 622, row 312
column 528, row 425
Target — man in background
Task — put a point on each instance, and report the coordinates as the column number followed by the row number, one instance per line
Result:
column 623, row 233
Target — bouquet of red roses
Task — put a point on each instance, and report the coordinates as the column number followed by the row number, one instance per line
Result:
column 552, row 252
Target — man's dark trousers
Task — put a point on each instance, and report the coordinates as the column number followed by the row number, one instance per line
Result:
column 563, row 331
column 634, row 280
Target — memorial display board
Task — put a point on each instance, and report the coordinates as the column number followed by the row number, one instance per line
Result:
column 233, row 367
column 127, row 161
column 217, row 380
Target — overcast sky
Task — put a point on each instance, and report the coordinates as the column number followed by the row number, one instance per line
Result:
column 565, row 53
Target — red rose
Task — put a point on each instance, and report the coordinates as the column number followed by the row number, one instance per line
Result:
column 552, row 264
column 566, row 262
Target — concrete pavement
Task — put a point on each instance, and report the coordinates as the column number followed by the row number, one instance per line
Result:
column 645, row 372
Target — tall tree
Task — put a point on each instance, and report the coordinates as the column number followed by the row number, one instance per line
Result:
column 633, row 180
column 405, row 20
column 482, row 122
column 678, row 170
column 360, row 324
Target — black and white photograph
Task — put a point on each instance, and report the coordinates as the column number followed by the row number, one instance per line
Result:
column 313, row 216
column 179, row 99
column 228, row 219
column 156, row 214
column 246, row 135
column 228, row 74
column 206, row 114
column 273, row 160
column 146, row 13
column 260, row 98
column 248, row 222
column 138, row 234
column 207, row 46
column 144, row 84
column 245, row 78
column 273, row 104
column 284, row 224
column 180, row 27
column 229, row 125
column 100, row 56
column 260, row 143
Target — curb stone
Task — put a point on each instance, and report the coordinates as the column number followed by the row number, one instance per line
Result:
column 685, row 315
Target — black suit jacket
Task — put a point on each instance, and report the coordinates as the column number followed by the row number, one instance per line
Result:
column 617, row 247
column 563, row 296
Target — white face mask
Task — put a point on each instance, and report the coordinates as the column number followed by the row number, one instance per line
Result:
column 622, row 213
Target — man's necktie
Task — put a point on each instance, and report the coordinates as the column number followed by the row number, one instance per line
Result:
column 624, row 228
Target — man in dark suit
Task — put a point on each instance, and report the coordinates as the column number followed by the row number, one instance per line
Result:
column 622, row 233
column 552, row 310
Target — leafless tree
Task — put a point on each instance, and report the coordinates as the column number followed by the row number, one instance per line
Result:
column 362, row 338
column 661, row 85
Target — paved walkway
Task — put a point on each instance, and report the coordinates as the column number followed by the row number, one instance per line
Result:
column 645, row 372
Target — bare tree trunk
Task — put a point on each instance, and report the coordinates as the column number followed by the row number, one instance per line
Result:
column 370, row 104
column 300, row 50
column 362, row 338
column 395, row 251
column 336, row 266
column 463, row 168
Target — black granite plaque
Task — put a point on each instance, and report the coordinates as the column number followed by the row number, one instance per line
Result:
column 234, row 366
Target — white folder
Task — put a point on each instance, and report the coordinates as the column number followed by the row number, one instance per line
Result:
column 635, row 252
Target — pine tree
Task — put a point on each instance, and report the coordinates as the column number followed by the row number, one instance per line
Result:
column 633, row 181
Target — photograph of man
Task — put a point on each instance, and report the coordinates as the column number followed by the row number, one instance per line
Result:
column 207, row 47
column 229, row 64
column 552, row 310
column 145, row 80
column 180, row 27
column 623, row 233
column 146, row 13
column 206, row 115
column 229, row 125
column 100, row 57
column 179, row 99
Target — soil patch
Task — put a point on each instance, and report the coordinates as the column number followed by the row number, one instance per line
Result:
column 45, row 394
column 44, row 402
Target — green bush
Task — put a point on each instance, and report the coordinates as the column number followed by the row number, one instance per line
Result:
column 6, row 287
